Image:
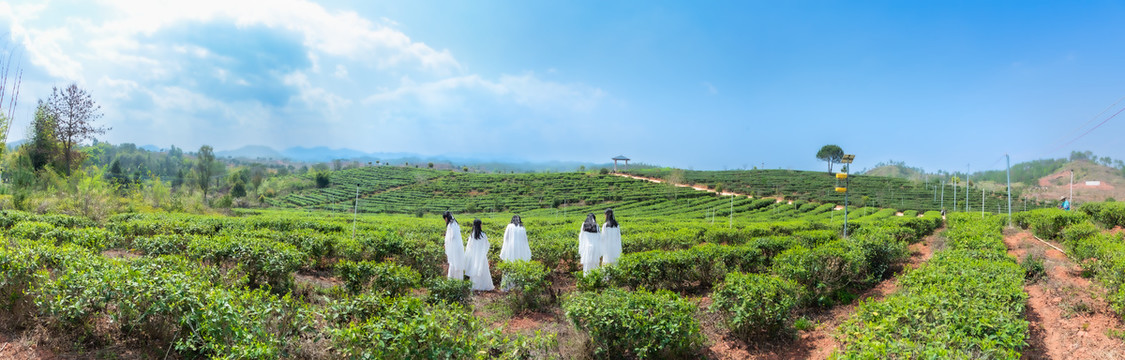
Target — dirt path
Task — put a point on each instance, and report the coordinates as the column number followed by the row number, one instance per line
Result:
column 697, row 187
column 1069, row 316
column 818, row 343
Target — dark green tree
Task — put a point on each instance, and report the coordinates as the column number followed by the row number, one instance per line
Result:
column 205, row 168
column 831, row 154
column 43, row 148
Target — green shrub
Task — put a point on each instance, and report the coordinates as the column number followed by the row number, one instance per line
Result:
column 1047, row 223
column 527, row 284
column 966, row 302
column 1109, row 214
column 596, row 279
column 377, row 327
column 1032, row 267
column 641, row 324
column 163, row 244
column 754, row 304
column 386, row 277
column 453, row 291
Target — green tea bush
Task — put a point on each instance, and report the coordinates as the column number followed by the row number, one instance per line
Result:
column 755, row 304
column 641, row 324
column 1047, row 223
column 527, row 284
column 377, row 327
column 453, row 291
column 264, row 261
column 386, row 277
column 825, row 271
column 163, row 244
column 966, row 302
column 682, row 270
column 1108, row 214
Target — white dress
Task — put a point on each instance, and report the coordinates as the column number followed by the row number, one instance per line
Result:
column 476, row 255
column 611, row 244
column 515, row 244
column 589, row 251
column 454, row 251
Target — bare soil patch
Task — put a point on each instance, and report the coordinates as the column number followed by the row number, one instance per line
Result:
column 1069, row 317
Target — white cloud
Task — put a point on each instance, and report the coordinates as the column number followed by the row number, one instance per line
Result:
column 526, row 90
column 327, row 75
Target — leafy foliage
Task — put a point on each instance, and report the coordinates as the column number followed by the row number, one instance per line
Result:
column 755, row 304
column 641, row 323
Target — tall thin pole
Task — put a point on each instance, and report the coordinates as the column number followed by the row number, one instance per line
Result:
column 966, row 187
column 731, row 224
column 355, row 213
column 1071, row 198
column 943, row 194
column 1009, row 160
column 982, row 203
column 954, row 194
column 847, row 188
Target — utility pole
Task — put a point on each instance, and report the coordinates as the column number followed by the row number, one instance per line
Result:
column 1009, row 160
column 1071, row 198
column 731, row 224
column 966, row 187
column 355, row 212
column 943, row 194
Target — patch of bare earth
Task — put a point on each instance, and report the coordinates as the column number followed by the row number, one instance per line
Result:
column 1069, row 317
column 816, row 343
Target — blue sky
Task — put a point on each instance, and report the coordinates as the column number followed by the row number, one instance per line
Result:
column 703, row 85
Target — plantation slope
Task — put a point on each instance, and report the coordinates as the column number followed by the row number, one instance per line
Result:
column 413, row 191
column 885, row 192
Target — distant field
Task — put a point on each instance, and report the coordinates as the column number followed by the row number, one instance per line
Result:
column 402, row 190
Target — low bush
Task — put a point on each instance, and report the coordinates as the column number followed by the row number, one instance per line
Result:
column 755, row 304
column 527, row 284
column 378, row 327
column 384, row 277
column 1109, row 214
column 453, row 291
column 966, row 302
column 1047, row 223
column 641, row 324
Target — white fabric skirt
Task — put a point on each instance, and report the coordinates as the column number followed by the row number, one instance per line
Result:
column 476, row 254
column 454, row 252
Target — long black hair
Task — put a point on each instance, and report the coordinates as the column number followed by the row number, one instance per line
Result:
column 610, row 221
column 517, row 221
column 476, row 229
column 591, row 224
column 448, row 216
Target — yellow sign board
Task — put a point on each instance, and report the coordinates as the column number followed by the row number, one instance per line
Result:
column 841, row 175
column 841, row 189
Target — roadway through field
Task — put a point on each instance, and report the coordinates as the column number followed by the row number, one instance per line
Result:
column 1069, row 317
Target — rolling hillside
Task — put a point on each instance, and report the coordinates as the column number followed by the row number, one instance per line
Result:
column 406, row 190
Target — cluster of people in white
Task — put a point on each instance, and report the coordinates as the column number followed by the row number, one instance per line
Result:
column 594, row 248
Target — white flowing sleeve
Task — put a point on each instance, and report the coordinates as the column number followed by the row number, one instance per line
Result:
column 506, row 250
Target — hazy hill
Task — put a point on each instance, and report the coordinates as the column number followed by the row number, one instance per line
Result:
column 1092, row 182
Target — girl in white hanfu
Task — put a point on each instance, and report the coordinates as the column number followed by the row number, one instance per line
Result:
column 454, row 248
column 476, row 254
column 611, row 239
column 515, row 242
column 589, row 244
column 515, row 246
